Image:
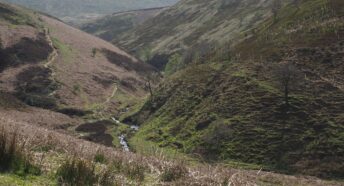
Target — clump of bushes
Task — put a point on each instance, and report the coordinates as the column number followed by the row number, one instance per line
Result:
column 36, row 100
column 78, row 172
column 173, row 172
column 74, row 112
column 13, row 158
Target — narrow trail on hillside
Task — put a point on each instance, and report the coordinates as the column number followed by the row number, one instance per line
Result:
column 104, row 104
column 52, row 56
column 114, row 91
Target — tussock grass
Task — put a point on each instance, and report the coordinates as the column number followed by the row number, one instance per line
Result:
column 100, row 158
column 13, row 157
column 131, row 169
column 123, row 168
column 79, row 172
column 173, row 171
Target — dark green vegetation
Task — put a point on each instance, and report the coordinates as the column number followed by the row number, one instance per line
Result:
column 28, row 50
column 231, row 107
column 13, row 157
column 126, row 63
column 36, row 86
column 112, row 26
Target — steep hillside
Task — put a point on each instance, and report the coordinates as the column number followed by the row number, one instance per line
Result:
column 110, row 27
column 48, row 64
column 232, row 105
column 194, row 24
column 73, row 11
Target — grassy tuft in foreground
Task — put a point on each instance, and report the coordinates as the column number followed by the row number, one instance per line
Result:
column 13, row 157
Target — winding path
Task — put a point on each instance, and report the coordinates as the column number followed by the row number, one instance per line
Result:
column 112, row 94
column 52, row 56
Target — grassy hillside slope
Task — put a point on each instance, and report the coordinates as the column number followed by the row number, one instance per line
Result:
column 48, row 64
column 229, row 106
column 194, row 24
column 110, row 27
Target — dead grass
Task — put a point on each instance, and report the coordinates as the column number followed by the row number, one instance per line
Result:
column 129, row 168
column 14, row 157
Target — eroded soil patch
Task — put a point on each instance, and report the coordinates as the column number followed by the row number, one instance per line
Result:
column 97, row 132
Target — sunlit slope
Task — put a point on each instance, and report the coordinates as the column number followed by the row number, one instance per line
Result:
column 232, row 108
column 48, row 64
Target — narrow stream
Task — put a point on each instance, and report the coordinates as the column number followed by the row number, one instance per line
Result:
column 122, row 139
column 124, row 143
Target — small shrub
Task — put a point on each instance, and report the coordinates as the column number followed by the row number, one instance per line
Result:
column 94, row 52
column 134, row 171
column 14, row 158
column 76, row 89
column 173, row 172
column 99, row 158
column 41, row 101
column 76, row 172
column 117, row 164
column 106, row 178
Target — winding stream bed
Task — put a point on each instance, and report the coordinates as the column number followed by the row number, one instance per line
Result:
column 122, row 139
column 124, row 143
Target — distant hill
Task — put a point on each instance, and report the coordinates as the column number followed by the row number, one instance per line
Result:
column 75, row 10
column 111, row 27
column 193, row 24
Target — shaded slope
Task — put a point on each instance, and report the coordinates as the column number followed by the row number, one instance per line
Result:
column 111, row 27
column 233, row 109
column 194, row 23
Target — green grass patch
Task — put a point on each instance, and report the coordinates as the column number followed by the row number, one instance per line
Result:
column 15, row 180
column 65, row 50
column 118, row 130
column 141, row 145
